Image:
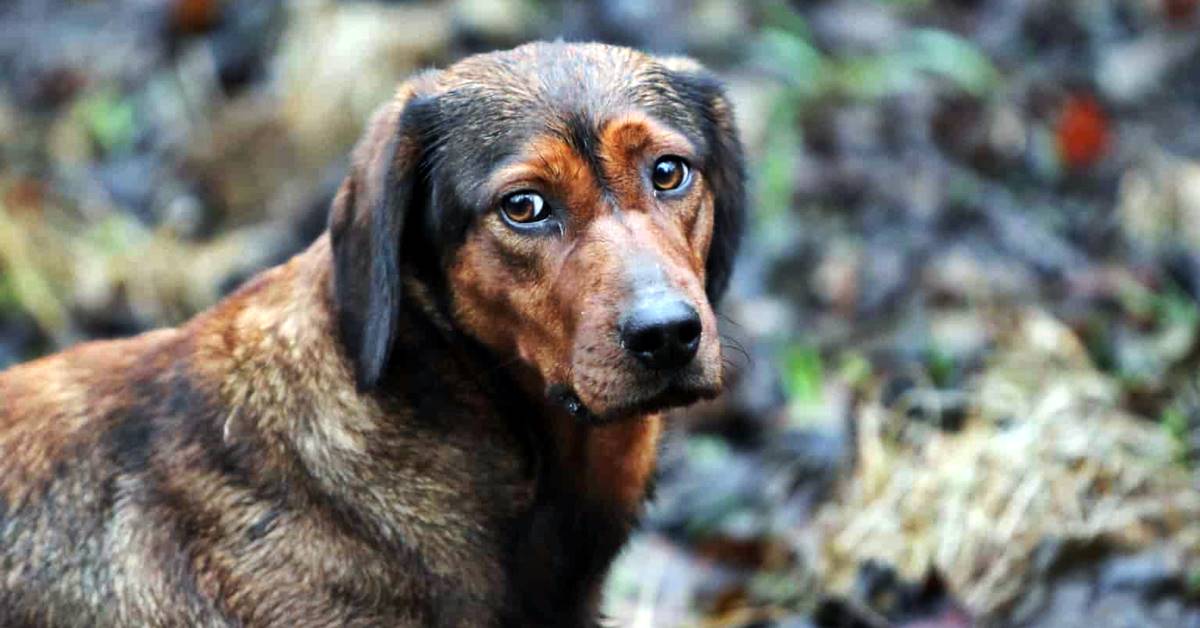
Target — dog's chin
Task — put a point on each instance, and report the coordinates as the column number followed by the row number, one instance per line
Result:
column 637, row 405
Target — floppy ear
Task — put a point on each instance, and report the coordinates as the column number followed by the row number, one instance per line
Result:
column 366, row 224
column 724, row 166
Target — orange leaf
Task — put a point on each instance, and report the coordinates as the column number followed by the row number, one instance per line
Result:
column 1083, row 131
column 195, row 16
column 1180, row 10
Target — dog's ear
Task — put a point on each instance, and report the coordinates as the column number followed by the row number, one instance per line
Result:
column 724, row 166
column 366, row 224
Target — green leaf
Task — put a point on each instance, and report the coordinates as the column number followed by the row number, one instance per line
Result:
column 1175, row 422
column 803, row 67
column 781, row 16
column 775, row 181
column 804, row 374
column 8, row 297
column 947, row 55
column 854, row 369
column 940, row 366
column 109, row 118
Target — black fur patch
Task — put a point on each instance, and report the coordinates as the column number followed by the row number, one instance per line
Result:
column 366, row 236
column 724, row 165
column 128, row 443
column 582, row 138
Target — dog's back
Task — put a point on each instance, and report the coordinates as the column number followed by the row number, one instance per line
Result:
column 225, row 473
column 72, row 522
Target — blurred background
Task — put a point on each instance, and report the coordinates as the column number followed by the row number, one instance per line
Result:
column 968, row 384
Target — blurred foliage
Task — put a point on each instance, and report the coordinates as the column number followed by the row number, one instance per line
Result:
column 804, row 374
column 109, row 119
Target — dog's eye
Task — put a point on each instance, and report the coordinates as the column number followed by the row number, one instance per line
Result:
column 669, row 173
column 524, row 207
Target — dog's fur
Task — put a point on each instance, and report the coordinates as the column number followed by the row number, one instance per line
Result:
column 423, row 419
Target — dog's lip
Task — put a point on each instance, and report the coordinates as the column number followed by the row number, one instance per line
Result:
column 677, row 395
column 672, row 394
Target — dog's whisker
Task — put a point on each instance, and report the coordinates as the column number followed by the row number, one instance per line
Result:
column 728, row 320
column 735, row 346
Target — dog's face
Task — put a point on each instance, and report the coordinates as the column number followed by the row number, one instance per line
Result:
column 578, row 207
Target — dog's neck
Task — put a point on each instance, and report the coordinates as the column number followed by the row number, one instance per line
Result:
column 589, row 479
column 611, row 464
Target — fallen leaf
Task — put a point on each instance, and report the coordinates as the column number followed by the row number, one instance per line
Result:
column 1083, row 131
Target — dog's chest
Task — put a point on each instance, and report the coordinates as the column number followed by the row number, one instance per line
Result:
column 560, row 553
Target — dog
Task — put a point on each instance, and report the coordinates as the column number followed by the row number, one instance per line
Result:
column 445, row 412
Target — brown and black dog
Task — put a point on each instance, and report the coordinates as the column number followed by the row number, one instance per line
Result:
column 445, row 412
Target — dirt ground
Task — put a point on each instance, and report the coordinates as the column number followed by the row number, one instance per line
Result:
column 965, row 333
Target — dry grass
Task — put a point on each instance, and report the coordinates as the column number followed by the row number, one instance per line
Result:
column 1046, row 454
column 59, row 265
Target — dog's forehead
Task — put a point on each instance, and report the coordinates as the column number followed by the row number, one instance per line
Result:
column 490, row 106
column 552, row 75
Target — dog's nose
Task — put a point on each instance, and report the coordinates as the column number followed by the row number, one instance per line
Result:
column 662, row 333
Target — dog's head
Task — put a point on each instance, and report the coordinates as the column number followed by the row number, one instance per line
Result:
column 576, row 207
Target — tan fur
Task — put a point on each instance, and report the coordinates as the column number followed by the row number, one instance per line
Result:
column 241, row 470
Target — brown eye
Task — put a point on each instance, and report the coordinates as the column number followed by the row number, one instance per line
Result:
column 524, row 207
column 669, row 173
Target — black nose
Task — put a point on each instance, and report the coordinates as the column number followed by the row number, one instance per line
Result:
column 662, row 333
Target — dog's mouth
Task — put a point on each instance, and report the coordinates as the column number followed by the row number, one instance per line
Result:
column 566, row 397
column 672, row 395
